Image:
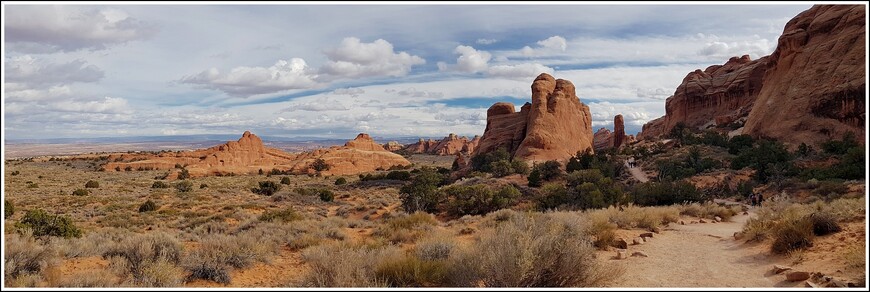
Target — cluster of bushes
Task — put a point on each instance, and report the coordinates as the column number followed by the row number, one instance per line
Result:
column 319, row 165
column 184, row 186
column 80, row 192
column 539, row 250
column 149, row 260
column 665, row 193
column 604, row 161
column 159, row 185
column 92, row 184
column 769, row 159
column 341, row 181
column 148, row 206
column 42, row 223
column 267, row 188
column 693, row 163
column 392, row 175
column 324, row 194
column 460, row 200
column 585, row 189
column 498, row 163
column 795, row 226
column 851, row 160
column 546, row 171
column 421, row 194
column 285, row 215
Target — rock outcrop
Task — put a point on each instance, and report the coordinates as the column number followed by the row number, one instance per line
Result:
column 393, row 146
column 814, row 87
column 811, row 89
column 554, row 126
column 602, row 139
column 618, row 131
column 450, row 145
column 719, row 91
column 249, row 155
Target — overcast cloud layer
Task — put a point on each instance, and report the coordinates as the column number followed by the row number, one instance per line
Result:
column 335, row 71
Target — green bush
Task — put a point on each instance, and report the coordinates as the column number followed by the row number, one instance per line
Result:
column 267, row 188
column 326, row 195
column 398, row 175
column 585, row 189
column 340, row 181
column 842, row 146
column 665, row 193
column 739, row 142
column 501, row 168
column 159, row 185
column 477, row 199
column 285, row 180
column 14, row 173
column 92, row 184
column 184, row 174
column 422, row 193
column 483, row 162
column 80, row 192
column 520, row 167
column 768, row 158
column 552, row 195
column 285, row 215
column 44, row 224
column 549, row 170
column 581, row 160
column 184, row 186
column 148, row 206
column 8, row 210
column 203, row 186
column 535, row 178
column 320, row 165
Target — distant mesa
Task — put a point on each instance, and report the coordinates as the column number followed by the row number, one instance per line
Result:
column 554, row 126
column 393, row 146
column 450, row 145
column 810, row 90
column 248, row 155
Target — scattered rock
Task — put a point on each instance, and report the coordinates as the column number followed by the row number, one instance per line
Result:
column 694, row 222
column 779, row 269
column 621, row 254
column 639, row 254
column 717, row 219
column 745, row 213
column 619, row 243
column 797, row 276
column 637, row 240
column 647, row 234
column 738, row 235
column 702, row 221
column 655, row 229
column 682, row 222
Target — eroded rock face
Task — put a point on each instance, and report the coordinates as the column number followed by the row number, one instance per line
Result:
column 249, row 155
column 618, row 131
column 602, row 139
column 450, row 145
column 814, row 87
column 554, row 126
column 393, row 146
column 727, row 90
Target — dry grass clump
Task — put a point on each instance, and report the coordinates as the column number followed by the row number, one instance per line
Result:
column 856, row 257
column 633, row 216
column 148, row 260
column 405, row 228
column 344, row 265
column 218, row 253
column 709, row 210
column 26, row 259
column 90, row 279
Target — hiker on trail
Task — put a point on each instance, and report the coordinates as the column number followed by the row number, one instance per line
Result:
column 760, row 199
column 752, row 199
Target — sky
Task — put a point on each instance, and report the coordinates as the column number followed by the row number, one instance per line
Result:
column 333, row 71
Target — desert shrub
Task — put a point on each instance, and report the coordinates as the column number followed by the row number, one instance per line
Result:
column 598, row 227
column 184, row 186
column 326, row 195
column 477, row 199
column 8, row 209
column 483, row 162
column 239, row 251
column 549, row 170
column 739, row 142
column 149, row 260
column 824, row 223
column 408, row 271
column 159, row 185
column 766, row 157
column 436, row 247
column 14, row 173
column 92, row 184
column 422, row 193
column 581, row 160
column 405, row 228
column 501, row 168
column 792, row 234
column 520, row 167
column 80, row 192
column 855, row 257
column 343, row 265
column 148, row 206
column 207, row 268
column 24, row 255
column 203, row 186
column 284, row 215
column 840, row 147
column 320, row 165
column 267, row 188
column 340, row 181
column 552, row 195
column 529, row 251
column 665, row 193
column 399, row 175
column 44, row 224
column 184, row 174
column 285, row 180
column 534, row 178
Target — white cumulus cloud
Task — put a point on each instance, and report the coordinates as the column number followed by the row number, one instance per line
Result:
column 247, row 81
column 354, row 59
column 520, row 71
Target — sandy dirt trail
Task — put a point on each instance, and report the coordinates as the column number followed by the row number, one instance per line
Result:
column 636, row 172
column 698, row 255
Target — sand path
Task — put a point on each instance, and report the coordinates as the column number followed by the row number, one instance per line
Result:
column 698, row 255
column 637, row 173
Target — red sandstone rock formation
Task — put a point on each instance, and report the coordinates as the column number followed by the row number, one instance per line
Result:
column 814, row 88
column 719, row 90
column 450, row 145
column 249, row 155
column 602, row 139
column 554, row 126
column 393, row 146
column 618, row 131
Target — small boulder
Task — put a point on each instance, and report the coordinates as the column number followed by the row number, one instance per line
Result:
column 738, row 235
column 647, row 234
column 621, row 254
column 655, row 229
column 693, row 222
column 745, row 213
column 779, row 269
column 717, row 219
column 639, row 254
column 682, row 222
column 702, row 221
column 619, row 243
column 636, row 241
column 797, row 276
